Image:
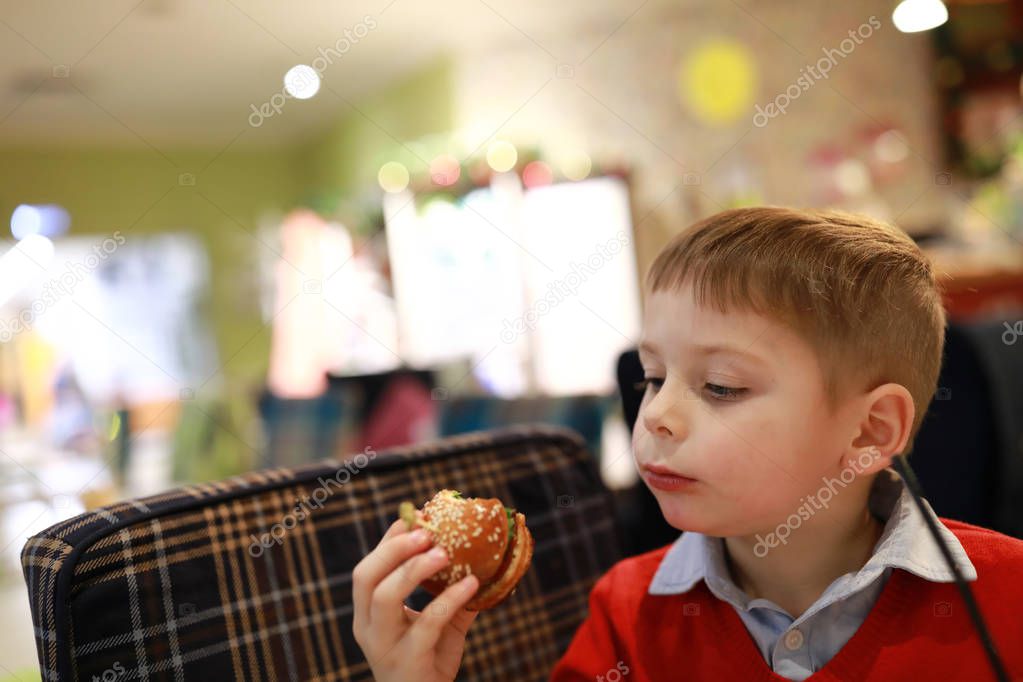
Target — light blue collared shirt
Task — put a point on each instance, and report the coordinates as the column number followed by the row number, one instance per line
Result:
column 795, row 648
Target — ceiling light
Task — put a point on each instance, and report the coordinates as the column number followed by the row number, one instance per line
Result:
column 911, row 16
column 302, row 81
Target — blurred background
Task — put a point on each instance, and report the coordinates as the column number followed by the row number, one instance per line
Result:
column 246, row 233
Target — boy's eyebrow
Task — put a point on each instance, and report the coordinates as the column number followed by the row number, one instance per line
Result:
column 708, row 349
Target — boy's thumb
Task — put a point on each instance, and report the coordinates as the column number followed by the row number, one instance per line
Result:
column 461, row 620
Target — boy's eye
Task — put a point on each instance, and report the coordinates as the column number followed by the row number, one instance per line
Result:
column 722, row 393
column 725, row 392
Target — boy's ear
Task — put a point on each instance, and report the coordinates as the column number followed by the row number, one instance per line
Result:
column 886, row 421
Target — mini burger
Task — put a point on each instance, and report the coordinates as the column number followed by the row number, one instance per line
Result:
column 480, row 536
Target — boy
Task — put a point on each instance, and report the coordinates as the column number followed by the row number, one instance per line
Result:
column 788, row 356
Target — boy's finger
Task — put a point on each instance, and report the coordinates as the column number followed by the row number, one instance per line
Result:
column 452, row 640
column 389, row 596
column 426, row 632
column 397, row 528
column 378, row 564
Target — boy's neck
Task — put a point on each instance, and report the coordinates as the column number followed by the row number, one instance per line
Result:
column 794, row 575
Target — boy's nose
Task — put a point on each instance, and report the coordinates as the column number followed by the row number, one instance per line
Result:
column 664, row 420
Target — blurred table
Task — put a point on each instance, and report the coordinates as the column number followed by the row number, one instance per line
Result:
column 979, row 284
column 972, row 295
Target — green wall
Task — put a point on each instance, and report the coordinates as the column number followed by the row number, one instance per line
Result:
column 140, row 192
column 143, row 190
column 219, row 199
column 343, row 162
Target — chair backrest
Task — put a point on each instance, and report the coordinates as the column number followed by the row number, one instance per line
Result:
column 250, row 578
column 955, row 452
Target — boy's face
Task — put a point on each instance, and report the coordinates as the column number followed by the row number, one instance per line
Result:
column 755, row 452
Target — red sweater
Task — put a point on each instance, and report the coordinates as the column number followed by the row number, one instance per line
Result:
column 917, row 630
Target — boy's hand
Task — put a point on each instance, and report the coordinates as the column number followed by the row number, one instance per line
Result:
column 400, row 643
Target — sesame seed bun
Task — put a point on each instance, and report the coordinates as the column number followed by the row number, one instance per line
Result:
column 520, row 555
column 475, row 534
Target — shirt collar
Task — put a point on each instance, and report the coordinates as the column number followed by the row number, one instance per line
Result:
column 905, row 543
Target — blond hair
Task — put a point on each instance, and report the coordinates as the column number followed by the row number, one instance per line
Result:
column 859, row 291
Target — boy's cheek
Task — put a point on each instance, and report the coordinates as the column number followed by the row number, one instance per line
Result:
column 639, row 435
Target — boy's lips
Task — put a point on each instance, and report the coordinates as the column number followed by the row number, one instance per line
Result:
column 667, row 479
column 665, row 471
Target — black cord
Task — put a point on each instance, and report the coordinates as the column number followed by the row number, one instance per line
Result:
column 964, row 588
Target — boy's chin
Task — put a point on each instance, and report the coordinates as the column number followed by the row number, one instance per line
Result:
column 697, row 519
column 687, row 519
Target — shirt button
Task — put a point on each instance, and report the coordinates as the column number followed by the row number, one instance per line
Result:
column 793, row 640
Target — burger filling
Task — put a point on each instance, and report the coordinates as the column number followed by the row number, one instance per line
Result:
column 510, row 549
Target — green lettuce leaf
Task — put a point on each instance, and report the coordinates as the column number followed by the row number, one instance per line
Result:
column 510, row 513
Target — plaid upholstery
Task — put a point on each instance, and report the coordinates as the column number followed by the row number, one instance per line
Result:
column 191, row 584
